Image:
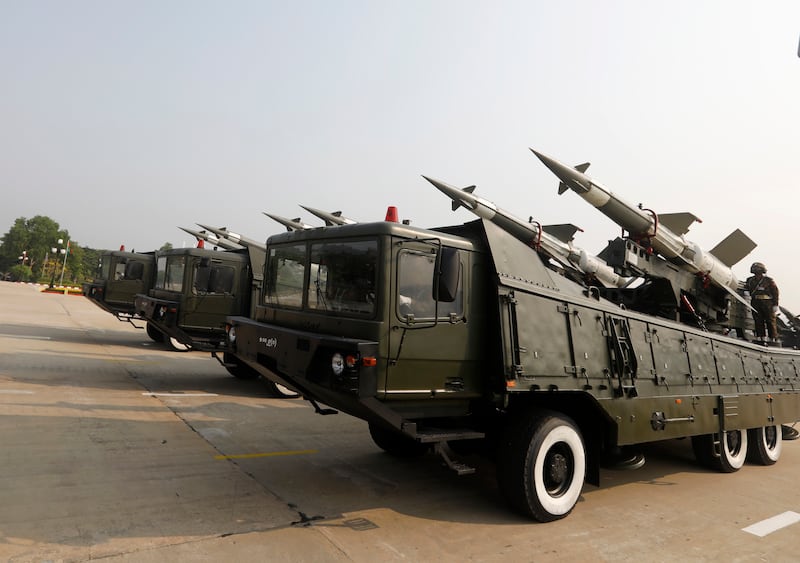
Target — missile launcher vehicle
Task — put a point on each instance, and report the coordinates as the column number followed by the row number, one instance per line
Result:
column 119, row 278
column 194, row 291
column 466, row 335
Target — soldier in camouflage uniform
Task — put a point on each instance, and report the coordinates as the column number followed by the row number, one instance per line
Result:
column 764, row 299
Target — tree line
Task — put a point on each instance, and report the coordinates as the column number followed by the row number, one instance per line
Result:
column 39, row 250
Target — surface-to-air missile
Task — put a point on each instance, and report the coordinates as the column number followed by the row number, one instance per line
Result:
column 231, row 236
column 331, row 218
column 553, row 240
column 211, row 238
column 291, row 224
column 650, row 232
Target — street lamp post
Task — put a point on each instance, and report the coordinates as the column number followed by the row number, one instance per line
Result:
column 66, row 253
column 56, row 251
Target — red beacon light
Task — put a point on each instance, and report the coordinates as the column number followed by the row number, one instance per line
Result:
column 122, row 248
column 391, row 214
column 201, row 243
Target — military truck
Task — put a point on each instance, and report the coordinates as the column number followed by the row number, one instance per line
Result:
column 464, row 335
column 120, row 276
column 194, row 291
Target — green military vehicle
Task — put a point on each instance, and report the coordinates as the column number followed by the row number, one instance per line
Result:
column 120, row 276
column 465, row 335
column 195, row 290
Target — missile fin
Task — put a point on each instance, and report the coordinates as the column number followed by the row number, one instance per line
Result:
column 456, row 204
column 678, row 223
column 733, row 248
column 564, row 232
column 562, row 187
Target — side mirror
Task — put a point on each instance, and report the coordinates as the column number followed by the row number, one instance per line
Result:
column 446, row 275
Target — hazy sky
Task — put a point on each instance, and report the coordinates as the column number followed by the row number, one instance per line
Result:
column 125, row 120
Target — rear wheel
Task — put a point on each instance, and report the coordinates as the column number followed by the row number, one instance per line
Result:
column 725, row 452
column 396, row 443
column 765, row 444
column 542, row 465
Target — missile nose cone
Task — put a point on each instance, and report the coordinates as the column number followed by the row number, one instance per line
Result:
column 446, row 188
column 460, row 197
column 572, row 178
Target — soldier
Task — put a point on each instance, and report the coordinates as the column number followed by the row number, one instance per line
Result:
column 764, row 299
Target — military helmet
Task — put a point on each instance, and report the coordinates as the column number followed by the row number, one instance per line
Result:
column 758, row 268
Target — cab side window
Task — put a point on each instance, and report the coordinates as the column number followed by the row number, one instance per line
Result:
column 415, row 279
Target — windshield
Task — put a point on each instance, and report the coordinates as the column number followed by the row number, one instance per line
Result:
column 340, row 277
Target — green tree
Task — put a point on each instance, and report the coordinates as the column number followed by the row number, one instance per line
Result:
column 33, row 239
column 166, row 246
column 89, row 262
column 31, row 251
column 20, row 272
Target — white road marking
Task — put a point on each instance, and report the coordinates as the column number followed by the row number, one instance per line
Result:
column 180, row 394
column 15, row 392
column 7, row 335
column 773, row 524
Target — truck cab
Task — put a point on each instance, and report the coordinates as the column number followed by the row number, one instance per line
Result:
column 194, row 290
column 119, row 278
column 384, row 321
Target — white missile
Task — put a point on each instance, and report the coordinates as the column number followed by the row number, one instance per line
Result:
column 643, row 224
column 330, row 218
column 212, row 238
column 291, row 224
column 557, row 247
column 241, row 240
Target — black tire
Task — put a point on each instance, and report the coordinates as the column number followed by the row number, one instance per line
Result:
column 764, row 444
column 396, row 443
column 725, row 452
column 542, row 465
column 733, row 450
column 703, row 448
column 154, row 334
column 280, row 391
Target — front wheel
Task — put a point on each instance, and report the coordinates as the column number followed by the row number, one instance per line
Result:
column 542, row 465
column 765, row 444
column 176, row 345
column 154, row 334
column 238, row 369
column 281, row 391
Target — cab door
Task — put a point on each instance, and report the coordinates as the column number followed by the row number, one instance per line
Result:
column 213, row 295
column 430, row 352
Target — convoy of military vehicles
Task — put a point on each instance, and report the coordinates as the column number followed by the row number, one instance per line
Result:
column 496, row 336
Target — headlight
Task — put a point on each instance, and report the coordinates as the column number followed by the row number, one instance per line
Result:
column 232, row 334
column 337, row 363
